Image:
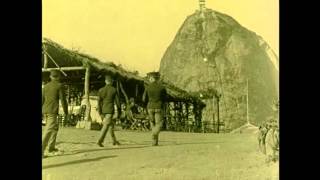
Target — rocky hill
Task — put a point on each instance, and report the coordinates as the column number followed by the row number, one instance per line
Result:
column 213, row 51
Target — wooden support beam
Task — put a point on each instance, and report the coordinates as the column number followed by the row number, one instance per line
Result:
column 123, row 92
column 45, row 52
column 45, row 57
column 69, row 94
column 214, row 111
column 187, row 110
column 77, row 68
column 86, row 94
column 218, row 114
column 117, row 88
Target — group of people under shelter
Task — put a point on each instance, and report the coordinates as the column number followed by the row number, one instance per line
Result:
column 108, row 98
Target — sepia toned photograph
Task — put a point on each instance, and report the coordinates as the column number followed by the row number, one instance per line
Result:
column 160, row 89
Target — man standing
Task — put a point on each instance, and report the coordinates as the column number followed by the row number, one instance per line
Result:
column 51, row 93
column 107, row 96
column 156, row 94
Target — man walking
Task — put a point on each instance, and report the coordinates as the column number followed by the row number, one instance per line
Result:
column 52, row 92
column 156, row 94
column 107, row 96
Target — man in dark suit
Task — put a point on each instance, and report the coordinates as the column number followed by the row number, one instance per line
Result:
column 52, row 92
column 107, row 96
column 156, row 94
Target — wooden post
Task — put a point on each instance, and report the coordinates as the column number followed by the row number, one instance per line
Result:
column 248, row 121
column 218, row 113
column 86, row 95
column 69, row 91
column 187, row 114
column 213, row 112
column 175, row 115
column 55, row 63
column 119, row 84
column 45, row 58
column 64, row 68
column 117, row 87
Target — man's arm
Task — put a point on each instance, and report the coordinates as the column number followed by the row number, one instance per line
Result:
column 63, row 100
column 164, row 95
column 99, row 105
column 144, row 96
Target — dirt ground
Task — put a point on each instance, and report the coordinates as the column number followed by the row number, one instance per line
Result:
column 188, row 156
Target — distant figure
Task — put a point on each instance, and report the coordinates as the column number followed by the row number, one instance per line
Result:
column 107, row 98
column 132, row 107
column 156, row 94
column 268, row 137
column 51, row 93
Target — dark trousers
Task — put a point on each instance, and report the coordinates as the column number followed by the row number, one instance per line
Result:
column 50, row 134
column 155, row 116
column 108, row 122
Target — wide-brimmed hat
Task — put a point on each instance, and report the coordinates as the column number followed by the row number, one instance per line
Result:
column 154, row 74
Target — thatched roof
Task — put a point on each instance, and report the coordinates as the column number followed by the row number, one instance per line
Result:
column 71, row 58
column 180, row 94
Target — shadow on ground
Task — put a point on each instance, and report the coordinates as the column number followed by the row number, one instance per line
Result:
column 65, row 142
column 101, row 149
column 77, row 162
column 144, row 145
column 174, row 143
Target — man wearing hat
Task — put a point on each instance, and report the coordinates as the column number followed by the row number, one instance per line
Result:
column 156, row 94
column 107, row 96
column 52, row 92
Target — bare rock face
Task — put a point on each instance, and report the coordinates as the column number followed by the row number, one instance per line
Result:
column 213, row 51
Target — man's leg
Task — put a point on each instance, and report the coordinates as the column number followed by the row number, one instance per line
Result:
column 151, row 118
column 158, row 124
column 53, row 138
column 113, row 136
column 49, row 129
column 104, row 130
column 152, row 125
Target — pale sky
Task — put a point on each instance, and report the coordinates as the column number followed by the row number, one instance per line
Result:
column 136, row 33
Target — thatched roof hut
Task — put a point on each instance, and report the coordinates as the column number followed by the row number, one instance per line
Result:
column 66, row 58
column 80, row 68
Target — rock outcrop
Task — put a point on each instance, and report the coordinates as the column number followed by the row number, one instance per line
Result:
column 213, row 51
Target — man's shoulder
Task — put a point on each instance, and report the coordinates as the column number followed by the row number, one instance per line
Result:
column 54, row 84
column 106, row 88
column 153, row 86
column 112, row 88
column 60, row 85
column 101, row 90
column 160, row 85
column 46, row 85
